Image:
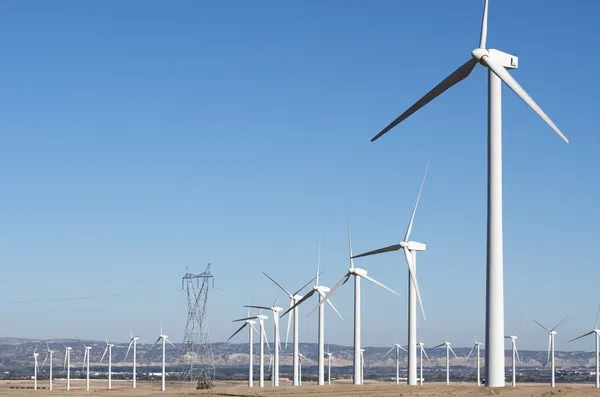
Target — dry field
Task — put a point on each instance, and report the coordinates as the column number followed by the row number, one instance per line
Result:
column 338, row 389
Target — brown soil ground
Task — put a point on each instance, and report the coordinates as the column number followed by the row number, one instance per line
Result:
column 338, row 389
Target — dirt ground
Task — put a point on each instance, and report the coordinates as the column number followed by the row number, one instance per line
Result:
column 338, row 389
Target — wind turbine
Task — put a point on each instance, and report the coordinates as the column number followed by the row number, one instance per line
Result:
column 410, row 252
column 133, row 342
column 86, row 360
column 476, row 348
column 302, row 356
column 597, row 332
column 330, row 357
column 423, row 352
column 515, row 357
column 164, row 338
column 48, row 355
column 551, row 335
column 35, row 367
column 358, row 274
column 263, row 338
column 398, row 348
column 294, row 298
column 67, row 364
column 250, row 324
column 321, row 291
column 108, row 349
column 275, row 310
column 448, row 350
column 497, row 63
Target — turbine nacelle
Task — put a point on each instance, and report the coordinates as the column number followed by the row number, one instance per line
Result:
column 413, row 246
column 322, row 289
column 507, row 61
column 357, row 271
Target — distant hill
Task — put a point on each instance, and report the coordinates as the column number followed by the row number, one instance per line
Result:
column 19, row 352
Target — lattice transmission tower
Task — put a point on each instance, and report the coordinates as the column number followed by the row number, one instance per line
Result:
column 197, row 355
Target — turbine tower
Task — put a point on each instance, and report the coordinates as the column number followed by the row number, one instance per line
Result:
column 476, row 348
column 133, row 342
column 497, row 63
column 358, row 274
column 275, row 365
column 398, row 348
column 250, row 325
column 294, row 298
column 196, row 349
column 321, row 291
column 86, row 361
column 108, row 349
column 597, row 332
column 551, row 335
column 410, row 252
column 448, row 350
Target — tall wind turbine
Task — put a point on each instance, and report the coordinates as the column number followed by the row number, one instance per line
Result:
column 86, row 361
column 108, row 349
column 250, row 325
column 497, row 63
column 302, row 356
column 398, row 348
column 423, row 352
column 410, row 252
column 263, row 338
column 597, row 332
column 35, row 367
column 165, row 339
column 294, row 298
column 330, row 357
column 515, row 356
column 67, row 364
column 275, row 365
column 476, row 348
column 133, row 342
column 358, row 274
column 321, row 291
column 48, row 355
column 551, row 335
column 448, row 350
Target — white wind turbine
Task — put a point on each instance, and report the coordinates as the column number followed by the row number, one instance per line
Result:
column 515, row 357
column 86, row 361
column 67, row 364
column 108, row 349
column 398, row 348
column 263, row 338
column 294, row 298
column 48, row 355
column 410, row 252
column 133, row 342
column 275, row 364
column 250, row 325
column 302, row 356
column 497, row 63
column 321, row 291
column 35, row 367
column 551, row 335
column 597, row 332
column 423, row 352
column 358, row 274
column 477, row 349
column 448, row 350
column 329, row 357
column 165, row 339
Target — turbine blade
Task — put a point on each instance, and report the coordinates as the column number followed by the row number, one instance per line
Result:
column 103, row 354
column 349, row 239
column 331, row 292
column 65, row 363
column 245, row 319
column 259, row 307
column 287, row 333
column 128, row 348
column 597, row 317
column 440, row 345
column 389, row 351
column 412, row 217
column 170, row 343
column 452, row 351
column 43, row 363
column 262, row 326
column 517, row 353
column 394, row 247
column 535, row 321
column 582, row 336
column 409, row 262
column 458, row 75
column 549, row 346
column 503, row 74
column 368, row 278
column 401, row 348
column 306, row 285
column 234, row 334
column 318, row 262
column 277, row 284
column 483, row 37
column 469, row 355
column 331, row 305
column 304, row 298
column 559, row 323
column 426, row 356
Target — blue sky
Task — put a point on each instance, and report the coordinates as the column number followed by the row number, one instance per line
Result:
column 141, row 137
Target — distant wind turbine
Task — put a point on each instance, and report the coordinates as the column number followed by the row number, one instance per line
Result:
column 398, row 348
column 35, row 367
column 275, row 365
column 67, row 364
column 551, row 335
column 165, row 339
column 330, row 357
column 476, row 348
column 515, row 357
column 86, row 361
column 597, row 332
column 423, row 352
column 250, row 325
column 263, row 338
column 48, row 355
column 302, row 356
column 448, row 350
column 108, row 349
column 133, row 342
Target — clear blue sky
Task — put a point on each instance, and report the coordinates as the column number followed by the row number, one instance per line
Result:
column 139, row 137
